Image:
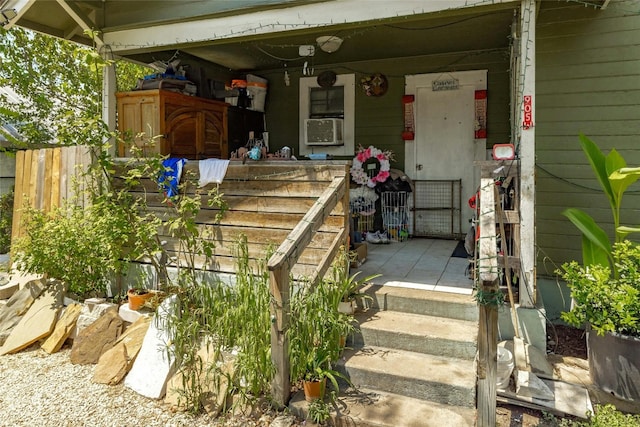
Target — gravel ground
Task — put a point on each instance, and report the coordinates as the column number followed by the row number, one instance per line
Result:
column 38, row 389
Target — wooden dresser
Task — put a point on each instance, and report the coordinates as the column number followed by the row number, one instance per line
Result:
column 174, row 124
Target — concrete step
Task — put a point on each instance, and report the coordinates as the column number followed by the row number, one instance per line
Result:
column 417, row 333
column 419, row 301
column 423, row 376
column 369, row 408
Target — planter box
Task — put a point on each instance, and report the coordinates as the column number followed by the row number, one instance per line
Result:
column 614, row 364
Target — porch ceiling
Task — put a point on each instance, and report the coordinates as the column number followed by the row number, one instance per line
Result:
column 254, row 35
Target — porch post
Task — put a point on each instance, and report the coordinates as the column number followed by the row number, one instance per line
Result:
column 527, row 99
column 109, row 100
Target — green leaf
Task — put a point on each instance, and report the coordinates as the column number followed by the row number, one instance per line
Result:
column 599, row 165
column 589, row 228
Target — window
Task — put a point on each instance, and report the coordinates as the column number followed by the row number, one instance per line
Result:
column 326, row 102
column 337, row 101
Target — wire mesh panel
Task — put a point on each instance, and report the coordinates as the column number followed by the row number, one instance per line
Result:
column 436, row 208
column 362, row 204
column 395, row 215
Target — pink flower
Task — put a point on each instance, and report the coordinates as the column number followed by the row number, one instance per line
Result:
column 381, row 156
column 382, row 176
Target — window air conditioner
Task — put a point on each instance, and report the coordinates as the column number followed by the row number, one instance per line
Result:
column 323, row 132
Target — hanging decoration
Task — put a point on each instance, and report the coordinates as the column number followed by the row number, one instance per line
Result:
column 409, row 131
column 375, row 84
column 481, row 114
column 383, row 158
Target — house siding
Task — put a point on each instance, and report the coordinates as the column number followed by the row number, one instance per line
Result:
column 379, row 120
column 587, row 81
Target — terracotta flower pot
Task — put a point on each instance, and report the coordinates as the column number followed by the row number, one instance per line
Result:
column 137, row 299
column 314, row 389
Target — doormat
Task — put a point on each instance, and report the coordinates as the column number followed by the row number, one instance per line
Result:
column 460, row 251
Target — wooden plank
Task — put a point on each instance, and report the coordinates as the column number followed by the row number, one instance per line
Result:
column 33, row 179
column 280, row 307
column 18, row 196
column 487, row 362
column 55, row 177
column 328, row 255
column 302, row 234
column 26, row 183
column 48, row 179
column 64, row 176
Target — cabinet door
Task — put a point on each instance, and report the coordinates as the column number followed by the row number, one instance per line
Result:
column 214, row 142
column 139, row 121
column 182, row 132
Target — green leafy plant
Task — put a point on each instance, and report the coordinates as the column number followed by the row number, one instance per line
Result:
column 319, row 411
column 6, row 221
column 604, row 416
column 606, row 303
column 614, row 177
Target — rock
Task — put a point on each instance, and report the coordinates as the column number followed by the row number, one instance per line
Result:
column 97, row 338
column 154, row 365
column 7, row 289
column 284, row 421
column 39, row 321
column 114, row 364
column 90, row 313
column 17, row 306
column 63, row 329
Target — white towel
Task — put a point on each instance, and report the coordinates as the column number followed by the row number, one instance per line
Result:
column 212, row 170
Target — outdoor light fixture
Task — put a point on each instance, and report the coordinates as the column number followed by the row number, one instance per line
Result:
column 7, row 15
column 329, row 44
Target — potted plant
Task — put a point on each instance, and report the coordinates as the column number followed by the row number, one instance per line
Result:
column 137, row 297
column 606, row 288
column 347, row 287
column 317, row 371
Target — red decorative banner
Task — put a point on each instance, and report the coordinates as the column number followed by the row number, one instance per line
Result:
column 409, row 130
column 527, row 121
column 481, row 114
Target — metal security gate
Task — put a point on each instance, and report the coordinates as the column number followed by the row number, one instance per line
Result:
column 437, row 209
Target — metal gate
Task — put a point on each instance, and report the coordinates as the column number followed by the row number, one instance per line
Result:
column 437, row 209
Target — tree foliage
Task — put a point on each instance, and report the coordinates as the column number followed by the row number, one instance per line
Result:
column 59, row 83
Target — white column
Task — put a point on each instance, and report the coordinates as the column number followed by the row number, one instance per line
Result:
column 527, row 99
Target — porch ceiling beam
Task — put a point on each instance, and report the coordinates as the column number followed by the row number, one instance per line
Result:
column 308, row 16
column 81, row 18
column 21, row 7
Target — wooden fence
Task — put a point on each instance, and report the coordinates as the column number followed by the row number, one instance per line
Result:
column 45, row 178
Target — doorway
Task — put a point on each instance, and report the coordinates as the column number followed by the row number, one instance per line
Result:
column 444, row 148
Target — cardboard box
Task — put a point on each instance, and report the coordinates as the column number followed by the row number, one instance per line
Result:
column 359, row 254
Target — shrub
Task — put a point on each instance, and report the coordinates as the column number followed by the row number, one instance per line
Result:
column 6, row 221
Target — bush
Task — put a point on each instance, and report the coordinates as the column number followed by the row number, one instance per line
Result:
column 605, row 302
column 605, row 416
column 6, row 221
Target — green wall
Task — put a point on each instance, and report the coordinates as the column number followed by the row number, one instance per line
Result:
column 379, row 120
column 587, row 81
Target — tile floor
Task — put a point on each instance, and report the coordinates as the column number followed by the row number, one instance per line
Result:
column 418, row 263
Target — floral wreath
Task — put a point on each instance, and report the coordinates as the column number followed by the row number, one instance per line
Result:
column 359, row 175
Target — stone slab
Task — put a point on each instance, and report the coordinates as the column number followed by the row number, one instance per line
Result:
column 112, row 366
column 38, row 322
column 131, row 316
column 97, row 338
column 154, row 365
column 529, row 385
column 63, row 329
column 571, row 399
column 8, row 289
column 116, row 362
column 16, row 307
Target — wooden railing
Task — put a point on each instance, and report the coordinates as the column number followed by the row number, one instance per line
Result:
column 280, row 270
column 489, row 263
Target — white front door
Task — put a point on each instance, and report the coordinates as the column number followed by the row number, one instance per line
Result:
column 445, row 147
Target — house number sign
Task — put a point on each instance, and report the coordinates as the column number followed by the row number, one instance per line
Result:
column 527, row 122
